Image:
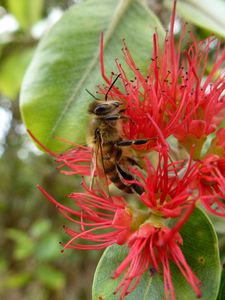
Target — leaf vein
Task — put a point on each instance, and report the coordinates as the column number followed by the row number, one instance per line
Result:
column 118, row 15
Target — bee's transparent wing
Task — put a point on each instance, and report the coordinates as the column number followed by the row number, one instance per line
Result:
column 97, row 168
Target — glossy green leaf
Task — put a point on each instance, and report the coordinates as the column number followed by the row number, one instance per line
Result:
column 53, row 97
column 27, row 12
column 206, row 14
column 201, row 251
column 221, row 295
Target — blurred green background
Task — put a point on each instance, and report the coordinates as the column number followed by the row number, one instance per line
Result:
column 31, row 265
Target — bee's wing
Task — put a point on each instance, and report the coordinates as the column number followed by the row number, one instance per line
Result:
column 93, row 168
column 98, row 165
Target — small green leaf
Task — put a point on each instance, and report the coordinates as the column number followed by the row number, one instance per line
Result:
column 201, row 251
column 40, row 227
column 206, row 14
column 221, row 295
column 48, row 248
column 17, row 280
column 4, row 264
column 51, row 277
column 13, row 68
column 53, row 97
column 27, row 12
column 24, row 245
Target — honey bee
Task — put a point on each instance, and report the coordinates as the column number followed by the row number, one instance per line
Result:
column 112, row 155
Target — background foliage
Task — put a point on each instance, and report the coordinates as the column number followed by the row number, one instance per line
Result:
column 30, row 260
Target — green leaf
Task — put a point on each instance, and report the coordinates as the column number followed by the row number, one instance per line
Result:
column 24, row 245
column 27, row 12
column 221, row 295
column 17, row 280
column 206, row 14
column 53, row 97
column 40, row 227
column 48, row 248
column 201, row 251
column 51, row 277
column 218, row 223
column 13, row 68
column 4, row 264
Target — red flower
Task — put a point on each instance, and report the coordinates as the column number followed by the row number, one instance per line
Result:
column 169, row 191
column 167, row 186
column 104, row 221
column 176, row 97
column 95, row 213
column 211, row 184
column 145, row 253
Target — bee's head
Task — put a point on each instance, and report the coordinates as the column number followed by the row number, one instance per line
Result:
column 103, row 108
column 107, row 107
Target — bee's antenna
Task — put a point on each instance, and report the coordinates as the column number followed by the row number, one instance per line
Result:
column 91, row 94
column 106, row 95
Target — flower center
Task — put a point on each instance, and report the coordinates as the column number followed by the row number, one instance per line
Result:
column 140, row 217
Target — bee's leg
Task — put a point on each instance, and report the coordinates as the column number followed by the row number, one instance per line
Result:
column 137, row 188
column 112, row 171
column 127, row 176
column 134, row 162
column 125, row 143
column 124, row 174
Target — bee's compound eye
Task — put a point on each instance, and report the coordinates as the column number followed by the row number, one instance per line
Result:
column 102, row 109
column 99, row 110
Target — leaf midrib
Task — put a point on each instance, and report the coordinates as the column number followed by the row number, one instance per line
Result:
column 147, row 289
column 120, row 10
